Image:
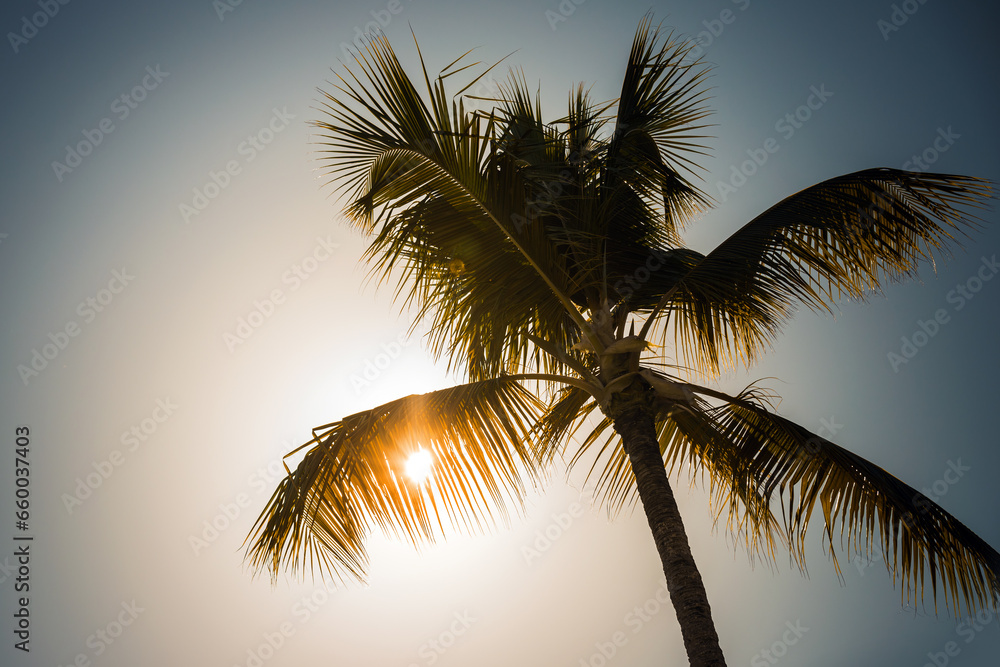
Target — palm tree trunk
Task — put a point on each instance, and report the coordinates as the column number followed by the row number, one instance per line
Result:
column 637, row 428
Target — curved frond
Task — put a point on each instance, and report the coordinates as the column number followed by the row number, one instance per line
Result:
column 841, row 237
column 923, row 544
column 657, row 135
column 566, row 413
column 689, row 436
column 449, row 209
column 352, row 478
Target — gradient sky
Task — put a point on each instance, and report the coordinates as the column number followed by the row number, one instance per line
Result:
column 215, row 418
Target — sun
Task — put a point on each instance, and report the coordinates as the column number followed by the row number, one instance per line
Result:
column 418, row 466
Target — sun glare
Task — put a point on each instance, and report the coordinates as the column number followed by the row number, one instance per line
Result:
column 418, row 466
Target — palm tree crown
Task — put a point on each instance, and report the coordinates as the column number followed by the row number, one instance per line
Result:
column 546, row 259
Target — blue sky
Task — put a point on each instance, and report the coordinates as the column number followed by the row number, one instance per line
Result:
column 157, row 439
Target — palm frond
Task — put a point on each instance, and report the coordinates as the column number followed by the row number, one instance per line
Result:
column 924, row 545
column 657, row 134
column 689, row 436
column 565, row 415
column 527, row 245
column 352, row 477
column 448, row 207
column 842, row 237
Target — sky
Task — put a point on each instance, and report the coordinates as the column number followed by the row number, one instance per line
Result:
column 183, row 302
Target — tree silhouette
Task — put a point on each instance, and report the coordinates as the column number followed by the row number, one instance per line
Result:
column 535, row 250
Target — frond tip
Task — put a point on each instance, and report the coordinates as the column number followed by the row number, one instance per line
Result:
column 844, row 237
column 353, row 477
column 925, row 547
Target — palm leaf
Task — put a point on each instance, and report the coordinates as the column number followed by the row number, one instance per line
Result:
column 445, row 203
column 924, row 545
column 352, row 477
column 565, row 415
column 689, row 436
column 657, row 135
column 842, row 237
column 757, row 462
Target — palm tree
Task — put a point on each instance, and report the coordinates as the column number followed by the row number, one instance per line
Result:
column 533, row 251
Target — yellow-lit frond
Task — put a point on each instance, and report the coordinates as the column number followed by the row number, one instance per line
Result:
column 353, row 477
